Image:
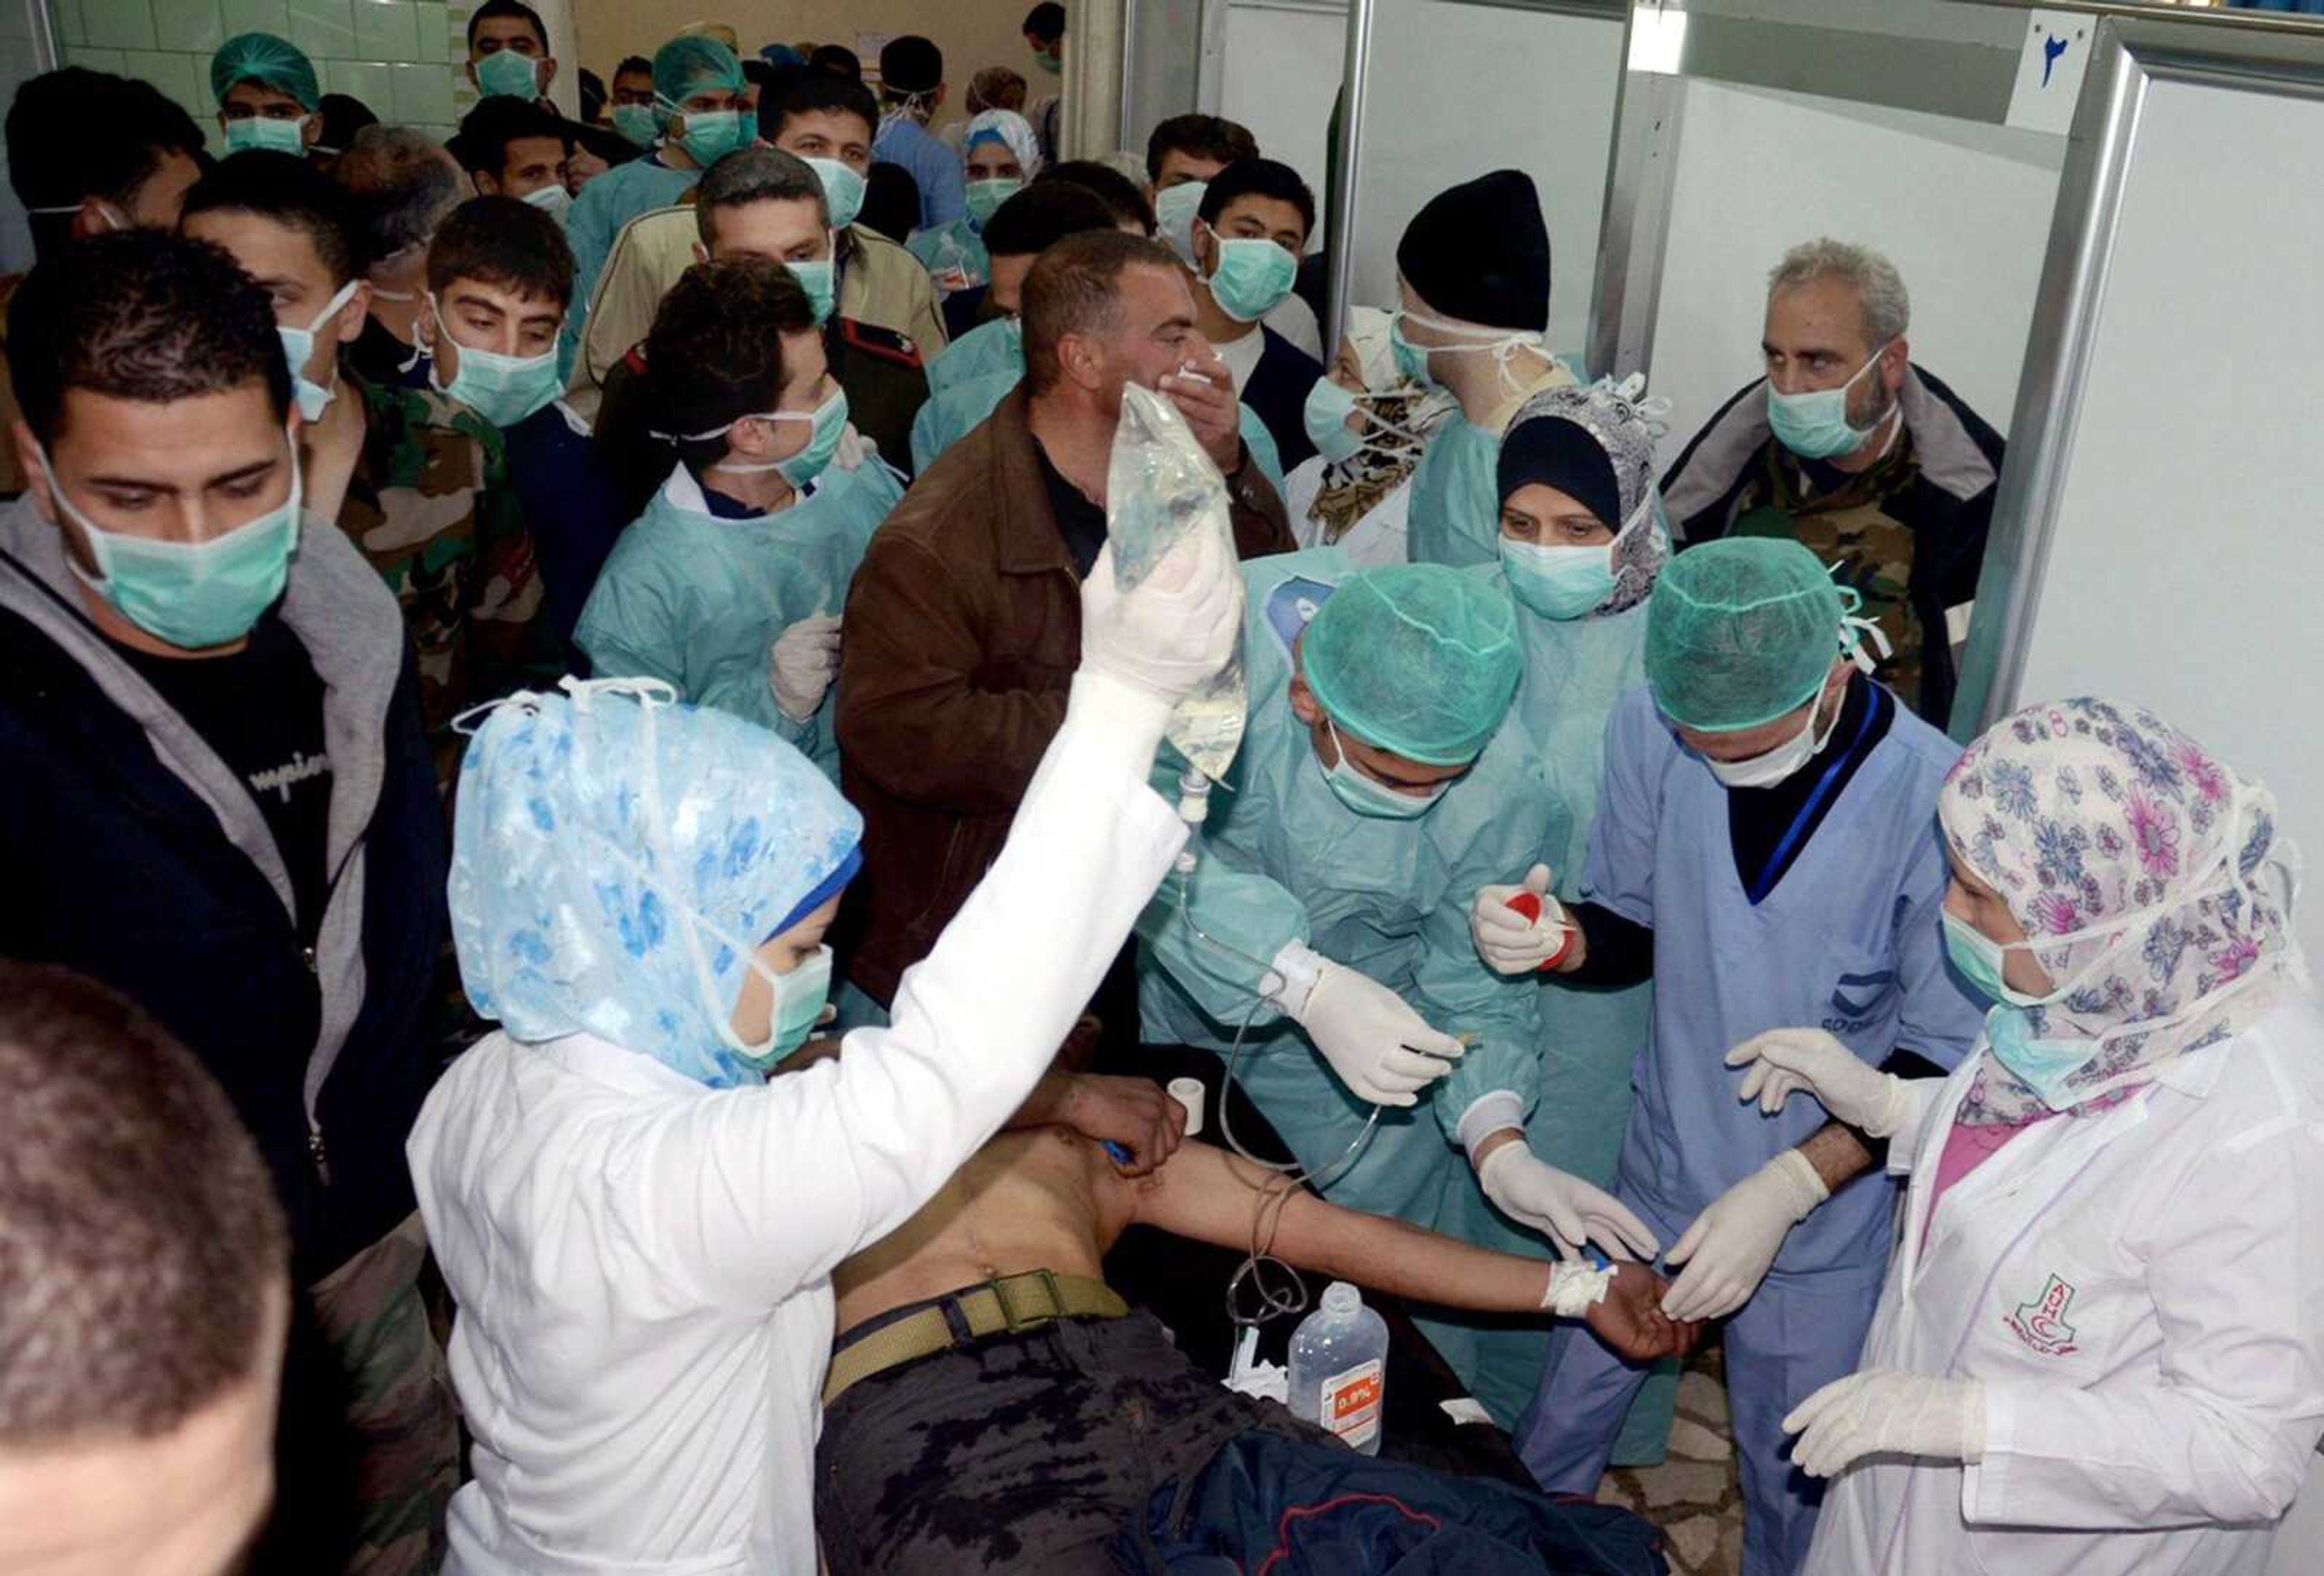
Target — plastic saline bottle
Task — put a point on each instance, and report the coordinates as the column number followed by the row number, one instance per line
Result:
column 1339, row 1368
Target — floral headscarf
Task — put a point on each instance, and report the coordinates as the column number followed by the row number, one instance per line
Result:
column 2082, row 812
column 616, row 857
column 1627, row 425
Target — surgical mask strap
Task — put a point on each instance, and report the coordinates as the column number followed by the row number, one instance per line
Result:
column 1499, row 343
column 1856, row 631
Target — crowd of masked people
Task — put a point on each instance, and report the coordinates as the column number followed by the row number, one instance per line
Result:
column 596, row 911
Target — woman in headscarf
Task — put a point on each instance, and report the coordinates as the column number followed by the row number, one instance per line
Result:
column 999, row 154
column 1582, row 541
column 2100, row 1347
column 1369, row 423
column 637, row 1223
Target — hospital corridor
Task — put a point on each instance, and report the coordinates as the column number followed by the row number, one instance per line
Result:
column 1159, row 787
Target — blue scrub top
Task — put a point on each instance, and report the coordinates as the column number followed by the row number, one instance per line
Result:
column 1848, row 942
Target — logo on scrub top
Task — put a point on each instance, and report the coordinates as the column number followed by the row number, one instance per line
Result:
column 1855, row 1004
column 2041, row 1323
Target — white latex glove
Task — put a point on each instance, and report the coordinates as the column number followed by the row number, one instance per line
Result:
column 1382, row 1050
column 1883, row 1410
column 1173, row 633
column 854, row 448
column 1508, row 942
column 1733, row 1243
column 1562, row 1207
column 802, row 663
column 1785, row 1059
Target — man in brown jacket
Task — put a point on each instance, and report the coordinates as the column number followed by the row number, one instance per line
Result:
column 963, row 623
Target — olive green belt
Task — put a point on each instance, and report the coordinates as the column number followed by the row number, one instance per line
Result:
column 1011, row 1305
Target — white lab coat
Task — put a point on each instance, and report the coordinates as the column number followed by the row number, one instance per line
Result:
column 642, row 1265
column 2142, row 1293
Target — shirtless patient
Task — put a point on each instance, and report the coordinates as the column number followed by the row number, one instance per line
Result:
column 1030, row 1452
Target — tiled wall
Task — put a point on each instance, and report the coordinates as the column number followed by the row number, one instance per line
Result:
column 403, row 58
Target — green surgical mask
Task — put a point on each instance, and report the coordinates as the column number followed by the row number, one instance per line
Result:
column 260, row 133
column 1175, row 211
column 800, row 997
column 1325, row 417
column 192, row 596
column 1365, row 796
column 985, row 198
column 829, row 424
column 502, row 389
column 637, row 123
column 505, row 74
column 818, row 279
column 843, row 191
column 1249, row 276
column 552, row 199
column 713, row 134
column 1558, row 582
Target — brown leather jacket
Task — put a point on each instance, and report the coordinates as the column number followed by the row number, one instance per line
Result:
column 963, row 628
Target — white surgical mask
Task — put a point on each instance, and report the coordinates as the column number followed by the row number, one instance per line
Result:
column 299, row 350
column 1784, row 760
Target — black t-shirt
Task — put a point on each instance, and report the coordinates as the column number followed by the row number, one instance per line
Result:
column 262, row 710
column 1080, row 521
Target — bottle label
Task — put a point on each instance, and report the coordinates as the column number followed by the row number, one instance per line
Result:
column 1352, row 1404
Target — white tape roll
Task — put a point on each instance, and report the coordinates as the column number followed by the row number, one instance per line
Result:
column 1188, row 1092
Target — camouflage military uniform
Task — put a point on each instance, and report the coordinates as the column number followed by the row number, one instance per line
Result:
column 400, row 1415
column 1908, row 533
column 1856, row 537
column 428, row 505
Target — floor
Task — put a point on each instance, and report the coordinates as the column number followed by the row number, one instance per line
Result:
column 1692, row 1495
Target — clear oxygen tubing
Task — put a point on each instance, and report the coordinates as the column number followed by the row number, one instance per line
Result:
column 1289, row 1294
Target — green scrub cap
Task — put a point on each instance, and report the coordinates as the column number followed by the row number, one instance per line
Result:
column 270, row 61
column 1419, row 659
column 686, row 66
column 1742, row 630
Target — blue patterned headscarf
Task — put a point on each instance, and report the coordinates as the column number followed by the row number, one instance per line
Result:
column 616, row 857
column 2137, row 865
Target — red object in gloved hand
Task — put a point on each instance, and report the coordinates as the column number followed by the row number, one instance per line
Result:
column 1528, row 904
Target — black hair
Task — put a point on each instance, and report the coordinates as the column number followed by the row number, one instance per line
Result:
column 1258, row 178
column 291, row 191
column 891, row 202
column 1118, row 192
column 342, row 116
column 506, row 10
column 715, row 351
column 837, row 61
column 1045, row 22
column 485, row 135
column 634, row 66
column 1074, row 287
column 593, row 95
column 1205, row 136
column 760, row 73
column 910, row 66
column 817, row 93
column 1042, row 215
column 502, row 240
column 754, row 174
column 144, row 314
column 122, row 129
